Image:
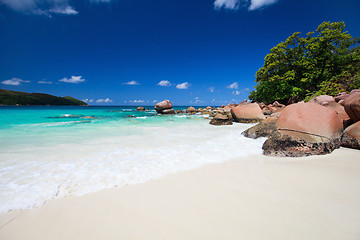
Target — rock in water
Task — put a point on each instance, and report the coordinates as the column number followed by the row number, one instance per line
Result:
column 220, row 119
column 351, row 136
column 247, row 113
column 352, row 105
column 168, row 111
column 140, row 109
column 305, row 129
column 264, row 129
column 191, row 110
column 161, row 106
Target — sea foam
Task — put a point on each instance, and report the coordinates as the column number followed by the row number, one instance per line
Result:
column 113, row 156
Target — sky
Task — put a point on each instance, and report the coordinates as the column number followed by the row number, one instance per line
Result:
column 139, row 52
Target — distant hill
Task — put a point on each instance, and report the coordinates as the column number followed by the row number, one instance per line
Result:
column 22, row 98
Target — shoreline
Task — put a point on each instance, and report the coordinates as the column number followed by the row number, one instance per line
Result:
column 255, row 197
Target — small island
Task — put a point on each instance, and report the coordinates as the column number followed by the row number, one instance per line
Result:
column 8, row 97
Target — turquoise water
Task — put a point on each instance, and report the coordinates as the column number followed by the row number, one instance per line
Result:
column 25, row 124
column 53, row 152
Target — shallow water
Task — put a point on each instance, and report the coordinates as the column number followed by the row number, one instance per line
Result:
column 55, row 152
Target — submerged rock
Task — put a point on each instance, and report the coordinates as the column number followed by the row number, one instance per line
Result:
column 90, row 117
column 220, row 119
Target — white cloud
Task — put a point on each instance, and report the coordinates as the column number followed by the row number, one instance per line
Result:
column 88, row 100
column 40, row 7
column 45, row 82
column 155, row 101
column 137, row 101
column 107, row 100
column 45, row 7
column 14, row 82
column 229, row 4
column 238, row 92
column 132, row 83
column 249, row 4
column 197, row 101
column 234, row 85
column 164, row 83
column 66, row 10
column 256, row 4
column 211, row 89
column 73, row 79
column 184, row 85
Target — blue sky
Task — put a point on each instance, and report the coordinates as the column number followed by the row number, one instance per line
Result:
column 117, row 52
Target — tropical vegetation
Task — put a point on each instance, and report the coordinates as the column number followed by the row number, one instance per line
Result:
column 326, row 61
column 8, row 97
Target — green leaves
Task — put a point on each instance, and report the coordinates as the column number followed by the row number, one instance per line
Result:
column 303, row 66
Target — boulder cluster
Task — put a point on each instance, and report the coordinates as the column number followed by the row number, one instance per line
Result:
column 298, row 129
column 314, row 128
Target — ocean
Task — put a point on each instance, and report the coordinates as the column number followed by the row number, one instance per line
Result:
column 51, row 152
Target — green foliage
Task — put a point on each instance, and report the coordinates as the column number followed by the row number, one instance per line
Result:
column 326, row 61
column 22, row 98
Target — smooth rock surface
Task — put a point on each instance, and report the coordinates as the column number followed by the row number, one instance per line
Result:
column 190, row 110
column 351, row 136
column 220, row 119
column 340, row 110
column 322, row 99
column 168, row 111
column 352, row 105
column 166, row 104
column 305, row 129
column 247, row 113
column 309, row 119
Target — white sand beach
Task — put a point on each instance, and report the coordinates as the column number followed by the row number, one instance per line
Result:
column 256, row 197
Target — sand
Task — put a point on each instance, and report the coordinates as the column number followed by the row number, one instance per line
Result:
column 256, row 197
